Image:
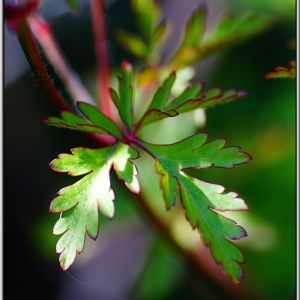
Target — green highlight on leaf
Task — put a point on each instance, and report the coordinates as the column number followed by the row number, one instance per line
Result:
column 203, row 200
column 157, row 40
column 132, row 43
column 73, row 5
column 231, row 29
column 282, row 72
column 194, row 30
column 80, row 202
column 95, row 121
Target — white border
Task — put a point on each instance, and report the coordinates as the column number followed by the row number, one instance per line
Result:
column 297, row 149
column 1, row 153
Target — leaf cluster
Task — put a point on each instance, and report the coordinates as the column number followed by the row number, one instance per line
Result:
column 197, row 41
column 80, row 203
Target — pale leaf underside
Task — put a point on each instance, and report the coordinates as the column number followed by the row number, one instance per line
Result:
column 80, row 202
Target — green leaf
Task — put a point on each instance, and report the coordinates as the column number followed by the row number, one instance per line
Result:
column 212, row 97
column 202, row 200
column 163, row 93
column 80, row 202
column 124, row 100
column 282, row 72
column 156, row 43
column 73, row 5
column 191, row 92
column 195, row 28
column 155, row 111
column 95, row 121
column 147, row 14
column 132, row 43
column 232, row 29
column 190, row 99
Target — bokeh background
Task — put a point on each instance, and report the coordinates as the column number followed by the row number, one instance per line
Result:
column 130, row 259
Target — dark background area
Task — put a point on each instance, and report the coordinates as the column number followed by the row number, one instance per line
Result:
column 128, row 250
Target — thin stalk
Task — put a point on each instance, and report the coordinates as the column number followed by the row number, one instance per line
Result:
column 42, row 32
column 101, row 58
column 35, row 61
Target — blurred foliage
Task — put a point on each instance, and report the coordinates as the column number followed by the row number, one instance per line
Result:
column 160, row 285
column 286, row 10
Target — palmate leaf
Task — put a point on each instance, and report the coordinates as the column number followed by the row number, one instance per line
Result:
column 80, row 202
column 202, row 200
column 191, row 98
column 95, row 121
column 282, row 72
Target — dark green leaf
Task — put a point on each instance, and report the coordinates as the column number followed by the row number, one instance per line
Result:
column 124, row 100
column 202, row 200
column 163, row 93
column 96, row 121
column 190, row 93
column 191, row 98
column 155, row 111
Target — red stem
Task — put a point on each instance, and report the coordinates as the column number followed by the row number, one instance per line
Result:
column 35, row 61
column 44, row 36
column 101, row 59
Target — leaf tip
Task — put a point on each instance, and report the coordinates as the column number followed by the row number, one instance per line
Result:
column 126, row 66
column 242, row 93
